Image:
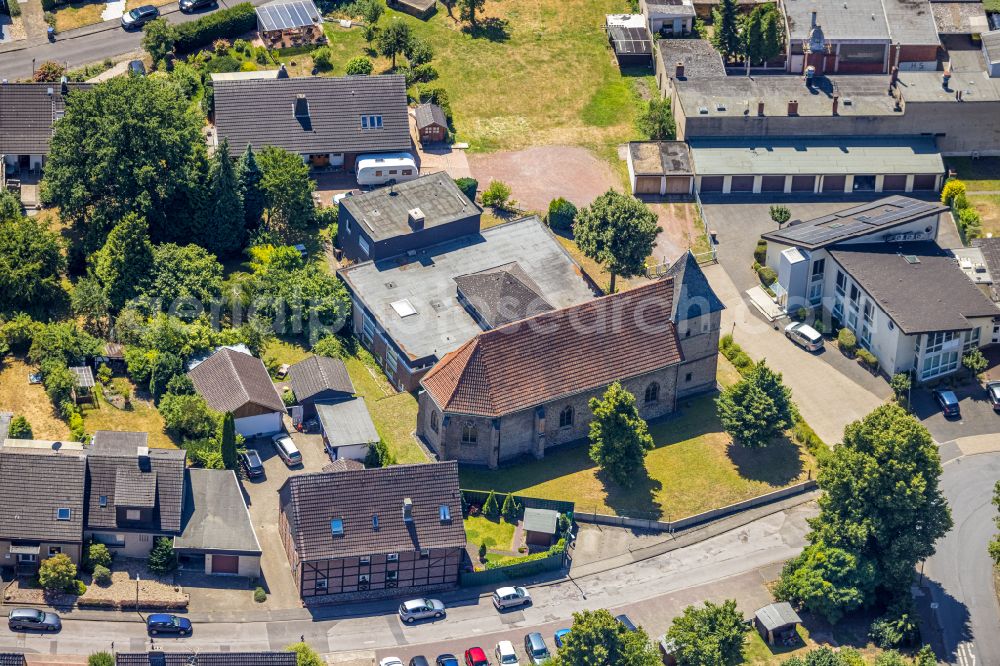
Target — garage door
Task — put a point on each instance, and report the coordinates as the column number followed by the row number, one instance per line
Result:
column 894, row 183
column 263, row 424
column 741, row 184
column 924, row 182
column 803, row 183
column 772, row 184
column 834, row 183
column 678, row 185
column 711, row 183
column 647, row 184
column 225, row 564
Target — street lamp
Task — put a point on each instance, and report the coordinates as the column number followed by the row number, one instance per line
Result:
column 138, row 579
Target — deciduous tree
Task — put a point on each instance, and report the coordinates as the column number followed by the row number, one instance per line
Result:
column 597, row 638
column 30, row 262
column 370, row 11
column 712, row 635
column 394, row 39
column 158, row 39
column 757, row 408
column 827, row 581
column 619, row 437
column 468, row 10
column 183, row 272
column 619, row 231
column 90, row 301
column 657, row 121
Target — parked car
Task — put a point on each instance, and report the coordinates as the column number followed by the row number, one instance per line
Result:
column 627, row 622
column 391, row 661
column 535, row 648
column 419, row 660
column 188, row 6
column 252, row 464
column 286, row 449
column 446, row 659
column 511, row 597
column 804, row 336
column 993, row 394
column 476, row 657
column 138, row 17
column 561, row 635
column 505, row 654
column 161, row 623
column 136, row 67
column 948, row 401
column 420, row 609
column 32, row 618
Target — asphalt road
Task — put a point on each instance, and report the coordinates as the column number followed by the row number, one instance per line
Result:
column 960, row 574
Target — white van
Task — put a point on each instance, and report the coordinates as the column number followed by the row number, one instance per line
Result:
column 380, row 169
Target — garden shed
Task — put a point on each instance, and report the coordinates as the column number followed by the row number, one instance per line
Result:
column 289, row 24
column 540, row 526
column 83, row 392
column 348, row 430
column 432, row 125
column 776, row 623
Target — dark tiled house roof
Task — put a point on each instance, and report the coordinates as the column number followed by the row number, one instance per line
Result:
column 312, row 501
column 502, row 295
column 991, row 253
column 27, row 112
column 317, row 374
column 429, row 114
column 343, row 465
column 559, row 353
column 161, row 658
column 34, row 484
column 693, row 294
column 925, row 293
column 215, row 514
column 230, row 379
column 116, row 471
column 12, row 659
column 262, row 112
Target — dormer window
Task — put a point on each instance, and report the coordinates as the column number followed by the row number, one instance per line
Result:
column 337, row 527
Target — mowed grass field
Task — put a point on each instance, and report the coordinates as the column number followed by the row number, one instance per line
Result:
column 553, row 80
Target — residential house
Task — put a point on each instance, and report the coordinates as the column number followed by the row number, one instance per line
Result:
column 432, row 124
column 134, row 494
column 326, row 120
column 163, row 658
column 410, row 311
column 41, row 502
column 373, row 533
column 670, row 18
column 523, row 388
column 405, row 217
column 319, row 380
column 233, row 381
column 348, row 431
column 876, row 270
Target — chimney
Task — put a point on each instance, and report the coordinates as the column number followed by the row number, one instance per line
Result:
column 416, row 218
column 282, row 72
column 301, row 106
column 407, row 510
column 142, row 454
column 679, row 71
column 946, row 79
column 793, row 107
column 813, row 24
column 64, row 85
column 894, row 77
column 836, row 102
column 760, row 108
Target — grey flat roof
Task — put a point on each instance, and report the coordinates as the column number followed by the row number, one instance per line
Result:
column 384, row 211
column 671, row 7
column 855, row 222
column 775, row 616
column 911, row 22
column 968, row 74
column 700, row 58
column 924, row 295
column 347, row 423
column 215, row 515
column 287, row 15
column 991, row 40
column 660, row 158
column 959, row 18
column 541, row 520
column 840, row 19
column 816, row 155
column 441, row 324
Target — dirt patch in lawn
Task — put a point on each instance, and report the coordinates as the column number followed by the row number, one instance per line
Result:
column 540, row 174
column 681, row 229
column 29, row 401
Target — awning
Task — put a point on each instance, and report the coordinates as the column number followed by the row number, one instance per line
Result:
column 25, row 550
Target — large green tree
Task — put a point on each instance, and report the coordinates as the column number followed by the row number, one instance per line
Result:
column 657, row 121
column 249, row 176
column 468, row 10
column 773, row 32
column 229, row 459
column 226, row 224
column 30, row 263
column 123, row 264
column 158, row 39
column 598, row 639
column 129, row 145
column 881, row 504
column 90, row 301
column 394, row 39
column 752, row 38
column 757, row 408
column 726, row 37
column 828, row 582
column 619, row 437
column 184, row 272
column 618, row 231
column 711, row 635
column 287, row 190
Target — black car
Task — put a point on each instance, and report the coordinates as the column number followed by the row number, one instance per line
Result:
column 250, row 460
column 419, row 660
column 993, row 394
column 162, row 623
column 446, row 660
column 948, row 401
column 136, row 67
column 191, row 5
column 138, row 17
column 32, row 618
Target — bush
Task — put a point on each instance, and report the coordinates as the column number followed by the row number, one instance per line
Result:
column 970, row 223
column 221, row 23
column 497, row 195
column 742, row 361
column 819, row 326
column 561, row 215
column 102, row 575
column 379, row 455
column 322, row 59
column 96, row 555
column 241, row 45
column 952, row 188
column 760, row 252
column 20, row 428
column 491, row 509
column 482, row 551
column 846, row 341
column 259, row 595
column 162, row 558
column 801, row 314
column 726, row 342
column 57, row 573
column 468, row 187
column 767, row 275
column 104, row 374
column 900, row 385
column 424, row 73
column 330, row 345
column 975, row 362
column 511, row 509
column 359, row 66
column 101, row 659
column 15, row 8
column 897, row 628
column 288, row 397
column 868, row 359
column 960, row 202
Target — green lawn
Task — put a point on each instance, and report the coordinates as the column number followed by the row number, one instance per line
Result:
column 979, row 175
column 988, row 206
column 141, row 416
column 496, row 535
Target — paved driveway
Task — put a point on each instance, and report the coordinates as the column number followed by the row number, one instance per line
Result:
column 977, row 415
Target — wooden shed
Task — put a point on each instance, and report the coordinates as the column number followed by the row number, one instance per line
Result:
column 540, row 526
column 776, row 623
column 432, row 125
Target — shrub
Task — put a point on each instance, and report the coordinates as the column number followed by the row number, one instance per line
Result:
column 288, row 397
column 20, row 428
column 359, row 66
column 468, row 187
column 96, row 555
column 801, row 314
column 322, row 59
column 970, row 223
column 77, row 587
column 726, row 342
column 330, row 345
column 561, row 215
column 482, row 551
column 847, row 342
column 57, row 573
column 162, row 558
column 242, row 46
column 104, row 374
column 819, row 326
column 952, row 188
column 48, row 71
column 867, row 359
column 742, row 361
column 975, row 362
column 230, row 22
column 101, row 659
column 424, row 73
column 767, row 275
column 490, row 507
column 780, row 214
column 897, row 628
column 259, row 595
column 305, row 655
column 15, row 8
column 760, row 252
column 510, row 509
column 102, row 575
column 900, row 385
column 76, row 429
column 497, row 195
column 379, row 455
column 960, row 202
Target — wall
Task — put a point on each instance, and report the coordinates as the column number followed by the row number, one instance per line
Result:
column 438, row 569
column 71, row 549
column 699, row 340
column 133, row 544
column 349, row 230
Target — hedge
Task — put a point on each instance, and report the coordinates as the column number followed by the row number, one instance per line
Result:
column 227, row 23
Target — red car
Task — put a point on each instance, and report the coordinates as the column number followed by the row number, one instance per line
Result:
column 476, row 657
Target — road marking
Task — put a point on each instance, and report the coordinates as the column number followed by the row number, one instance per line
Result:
column 966, row 654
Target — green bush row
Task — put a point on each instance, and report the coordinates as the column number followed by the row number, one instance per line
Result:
column 558, row 549
column 231, row 22
column 735, row 354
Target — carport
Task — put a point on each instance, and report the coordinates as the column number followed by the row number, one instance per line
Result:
column 829, row 165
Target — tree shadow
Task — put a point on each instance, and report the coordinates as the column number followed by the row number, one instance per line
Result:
column 490, row 28
column 777, row 464
column 637, row 501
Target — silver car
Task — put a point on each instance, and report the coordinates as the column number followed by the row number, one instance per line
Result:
column 420, row 609
column 286, row 449
column 511, row 597
column 32, row 618
column 804, row 335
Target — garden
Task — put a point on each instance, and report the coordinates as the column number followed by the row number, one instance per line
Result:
column 496, row 534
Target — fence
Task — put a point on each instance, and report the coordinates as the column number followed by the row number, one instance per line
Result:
column 710, row 256
column 553, row 562
column 699, row 518
column 478, row 497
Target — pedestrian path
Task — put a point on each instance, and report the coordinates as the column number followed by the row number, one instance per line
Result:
column 113, row 10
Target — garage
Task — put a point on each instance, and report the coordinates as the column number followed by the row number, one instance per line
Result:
column 741, row 184
column 225, row 564
column 647, row 184
column 834, row 183
column 772, row 184
column 925, row 182
column 653, row 165
column 894, row 183
column 261, row 424
column 679, row 185
column 711, row 183
column 803, row 183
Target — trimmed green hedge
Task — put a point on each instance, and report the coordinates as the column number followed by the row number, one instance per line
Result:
column 228, row 23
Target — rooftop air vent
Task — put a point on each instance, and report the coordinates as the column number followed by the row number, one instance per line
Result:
column 911, row 259
column 720, row 106
column 703, row 110
column 416, row 218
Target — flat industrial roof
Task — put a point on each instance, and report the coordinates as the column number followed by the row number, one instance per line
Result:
column 701, row 60
column 852, row 20
column 991, row 41
column 911, row 22
column 426, row 281
column 959, row 18
column 660, row 158
column 384, row 212
column 815, row 155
